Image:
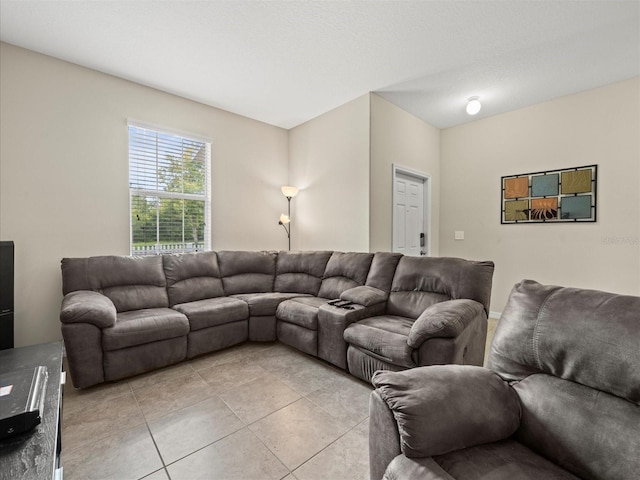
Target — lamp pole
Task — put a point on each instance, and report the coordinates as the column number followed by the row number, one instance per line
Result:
column 289, row 215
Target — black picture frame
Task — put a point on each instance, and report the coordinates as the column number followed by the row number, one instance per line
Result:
column 566, row 195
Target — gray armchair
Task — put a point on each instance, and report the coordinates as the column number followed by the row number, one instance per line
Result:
column 560, row 398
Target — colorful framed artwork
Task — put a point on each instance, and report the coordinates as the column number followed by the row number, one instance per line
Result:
column 553, row 196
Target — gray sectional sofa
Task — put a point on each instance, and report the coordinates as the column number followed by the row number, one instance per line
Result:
column 122, row 316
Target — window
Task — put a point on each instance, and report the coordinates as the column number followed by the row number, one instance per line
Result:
column 169, row 190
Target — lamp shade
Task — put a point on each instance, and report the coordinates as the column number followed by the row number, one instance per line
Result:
column 289, row 191
column 284, row 219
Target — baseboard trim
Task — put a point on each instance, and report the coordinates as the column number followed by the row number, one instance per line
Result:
column 495, row 315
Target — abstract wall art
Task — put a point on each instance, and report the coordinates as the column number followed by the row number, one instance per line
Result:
column 554, row 196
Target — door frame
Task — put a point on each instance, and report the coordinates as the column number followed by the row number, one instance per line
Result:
column 426, row 198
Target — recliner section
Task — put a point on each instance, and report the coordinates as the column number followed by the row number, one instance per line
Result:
column 195, row 289
column 298, row 317
column 122, row 316
column 410, row 333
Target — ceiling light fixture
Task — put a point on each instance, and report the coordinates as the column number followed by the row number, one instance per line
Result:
column 474, row 105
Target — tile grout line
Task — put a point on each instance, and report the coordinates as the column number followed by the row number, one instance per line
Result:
column 267, row 446
column 164, row 464
column 264, row 416
column 247, row 356
column 327, row 411
column 323, row 449
column 306, row 397
column 146, row 423
column 197, row 372
column 158, row 382
column 91, row 403
column 247, row 425
column 209, row 444
column 87, row 403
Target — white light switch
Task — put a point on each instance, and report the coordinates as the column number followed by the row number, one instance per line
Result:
column 458, row 235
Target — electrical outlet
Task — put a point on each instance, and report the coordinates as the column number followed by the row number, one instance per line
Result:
column 458, row 235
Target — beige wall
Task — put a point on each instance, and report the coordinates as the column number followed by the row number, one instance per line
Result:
column 342, row 161
column 600, row 126
column 64, row 179
column 329, row 162
column 64, row 173
column 399, row 138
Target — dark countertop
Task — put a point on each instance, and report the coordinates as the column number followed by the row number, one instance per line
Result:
column 32, row 455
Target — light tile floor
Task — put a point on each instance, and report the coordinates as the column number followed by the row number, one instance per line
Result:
column 255, row 411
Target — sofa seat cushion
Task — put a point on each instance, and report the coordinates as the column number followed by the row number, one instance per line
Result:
column 302, row 311
column 504, row 460
column 265, row 304
column 213, row 311
column 385, row 337
column 137, row 327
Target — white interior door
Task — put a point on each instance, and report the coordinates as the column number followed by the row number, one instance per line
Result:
column 409, row 235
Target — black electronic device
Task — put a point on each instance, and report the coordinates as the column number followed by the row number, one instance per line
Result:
column 22, row 395
column 6, row 294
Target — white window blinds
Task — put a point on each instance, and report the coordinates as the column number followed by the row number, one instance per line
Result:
column 169, row 192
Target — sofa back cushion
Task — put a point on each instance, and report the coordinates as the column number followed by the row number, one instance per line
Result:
column 192, row 276
column 585, row 336
column 131, row 283
column 419, row 282
column 575, row 355
column 383, row 267
column 344, row 271
column 300, row 272
column 247, row 272
column 586, row 431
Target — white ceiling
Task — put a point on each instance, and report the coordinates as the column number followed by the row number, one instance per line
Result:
column 285, row 62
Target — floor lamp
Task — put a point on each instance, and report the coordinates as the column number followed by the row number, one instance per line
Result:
column 285, row 220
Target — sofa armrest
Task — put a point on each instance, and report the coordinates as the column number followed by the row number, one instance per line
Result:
column 445, row 320
column 332, row 322
column 84, row 306
column 384, row 439
column 365, row 296
column 442, row 408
